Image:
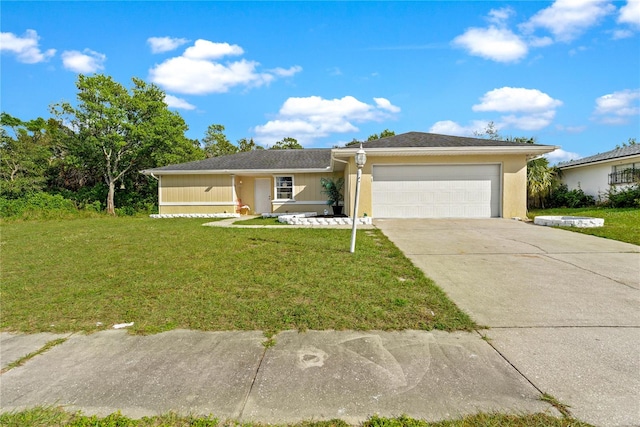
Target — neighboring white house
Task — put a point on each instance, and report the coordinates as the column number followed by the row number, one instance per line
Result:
column 595, row 174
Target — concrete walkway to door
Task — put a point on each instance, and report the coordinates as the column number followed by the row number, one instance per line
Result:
column 563, row 308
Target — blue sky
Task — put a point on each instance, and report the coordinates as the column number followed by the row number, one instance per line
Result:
column 565, row 72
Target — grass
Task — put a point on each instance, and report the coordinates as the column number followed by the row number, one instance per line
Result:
column 41, row 417
column 619, row 224
column 162, row 274
column 21, row 361
column 260, row 221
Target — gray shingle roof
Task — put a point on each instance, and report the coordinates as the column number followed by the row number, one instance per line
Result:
column 258, row 160
column 618, row 153
column 426, row 140
column 320, row 158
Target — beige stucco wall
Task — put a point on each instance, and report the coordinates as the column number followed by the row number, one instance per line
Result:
column 514, row 178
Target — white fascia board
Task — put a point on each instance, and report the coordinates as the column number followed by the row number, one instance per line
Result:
column 244, row 172
column 449, row 151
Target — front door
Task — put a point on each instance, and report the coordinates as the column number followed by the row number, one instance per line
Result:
column 262, row 195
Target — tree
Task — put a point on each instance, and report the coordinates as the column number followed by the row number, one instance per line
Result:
column 248, row 145
column 351, row 143
column 26, row 156
column 541, row 179
column 490, row 132
column 216, row 143
column 286, row 144
column 120, row 131
column 632, row 141
column 384, row 134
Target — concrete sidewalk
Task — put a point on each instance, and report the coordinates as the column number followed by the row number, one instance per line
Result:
column 311, row 375
column 563, row 307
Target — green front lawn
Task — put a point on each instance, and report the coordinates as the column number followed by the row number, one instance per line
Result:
column 619, row 224
column 89, row 274
column 260, row 221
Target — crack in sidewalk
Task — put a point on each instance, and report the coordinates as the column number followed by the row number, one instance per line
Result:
column 564, row 411
column 253, row 381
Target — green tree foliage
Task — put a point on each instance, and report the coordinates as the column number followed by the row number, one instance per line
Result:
column 216, row 143
column 245, row 144
column 26, row 153
column 287, row 144
column 630, row 142
column 541, row 179
column 384, row 134
column 490, row 132
column 351, row 143
column 118, row 132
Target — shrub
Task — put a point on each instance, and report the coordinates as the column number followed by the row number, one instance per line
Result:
column 36, row 205
column 628, row 197
column 562, row 197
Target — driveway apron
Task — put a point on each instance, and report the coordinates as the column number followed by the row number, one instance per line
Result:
column 562, row 307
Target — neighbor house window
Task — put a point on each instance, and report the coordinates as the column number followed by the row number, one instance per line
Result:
column 624, row 174
column 284, row 187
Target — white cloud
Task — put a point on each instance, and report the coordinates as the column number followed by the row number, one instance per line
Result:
column 313, row 117
column 630, row 13
column 571, row 129
column 622, row 34
column 499, row 16
column 540, row 41
column 165, row 44
column 530, row 109
column 497, row 44
column 198, row 70
column 617, row 107
column 26, row 47
column 385, row 104
column 524, row 109
column 175, row 102
column 449, row 127
column 286, row 72
column 190, row 76
column 560, row 155
column 86, row 61
column 529, row 121
column 568, row 19
column 515, row 99
column 205, row 49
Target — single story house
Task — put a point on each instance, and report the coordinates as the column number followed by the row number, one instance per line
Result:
column 412, row 175
column 595, row 174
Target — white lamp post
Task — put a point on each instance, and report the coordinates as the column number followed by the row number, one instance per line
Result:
column 361, row 159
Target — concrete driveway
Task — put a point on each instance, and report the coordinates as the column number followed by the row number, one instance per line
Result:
column 563, row 308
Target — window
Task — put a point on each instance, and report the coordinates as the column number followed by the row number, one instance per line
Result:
column 284, row 187
column 624, row 174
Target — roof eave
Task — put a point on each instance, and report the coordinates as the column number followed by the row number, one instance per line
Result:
column 233, row 171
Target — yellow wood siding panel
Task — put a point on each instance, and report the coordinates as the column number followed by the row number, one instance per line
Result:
column 307, row 186
column 196, row 188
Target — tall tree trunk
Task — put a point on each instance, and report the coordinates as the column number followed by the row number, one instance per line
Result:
column 111, row 207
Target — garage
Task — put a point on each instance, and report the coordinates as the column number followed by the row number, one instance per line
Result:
column 436, row 191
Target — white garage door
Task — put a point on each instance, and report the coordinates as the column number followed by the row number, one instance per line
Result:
column 436, row 191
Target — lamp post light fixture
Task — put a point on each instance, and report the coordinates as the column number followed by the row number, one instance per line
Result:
column 361, row 159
